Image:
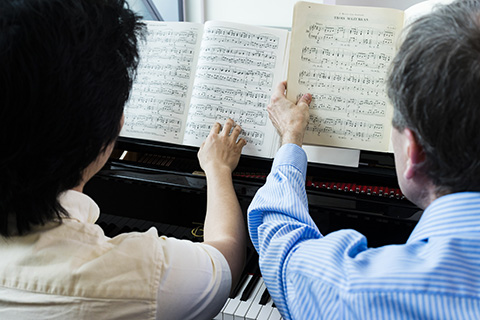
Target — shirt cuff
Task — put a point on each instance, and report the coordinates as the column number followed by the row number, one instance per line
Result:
column 293, row 155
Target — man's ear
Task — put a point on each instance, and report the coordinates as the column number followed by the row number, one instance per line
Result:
column 415, row 153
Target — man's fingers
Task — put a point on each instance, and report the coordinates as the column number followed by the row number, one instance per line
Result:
column 282, row 87
column 279, row 93
column 306, row 98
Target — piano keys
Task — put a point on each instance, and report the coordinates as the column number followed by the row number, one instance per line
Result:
column 248, row 297
column 250, row 307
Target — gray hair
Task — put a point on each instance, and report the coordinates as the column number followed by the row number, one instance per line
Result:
column 434, row 85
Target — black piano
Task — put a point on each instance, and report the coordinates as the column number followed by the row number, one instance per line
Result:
column 148, row 184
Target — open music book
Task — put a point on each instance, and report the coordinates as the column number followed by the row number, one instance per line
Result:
column 192, row 75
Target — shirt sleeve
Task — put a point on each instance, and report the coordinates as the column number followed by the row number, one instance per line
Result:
column 278, row 218
column 195, row 282
column 294, row 257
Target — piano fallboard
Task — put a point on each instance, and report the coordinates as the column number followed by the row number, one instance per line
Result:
column 164, row 183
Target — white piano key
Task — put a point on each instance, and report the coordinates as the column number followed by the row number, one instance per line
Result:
column 219, row 316
column 255, row 308
column 265, row 311
column 240, row 283
column 232, row 305
column 244, row 306
column 275, row 315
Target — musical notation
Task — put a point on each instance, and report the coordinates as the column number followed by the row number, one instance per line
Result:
column 151, row 57
column 241, row 116
column 252, row 57
column 156, row 106
column 236, row 72
column 344, row 66
column 191, row 75
column 201, row 131
column 352, row 35
column 235, row 75
column 315, row 77
column 241, row 38
column 358, row 70
column 338, row 88
column 253, row 137
column 170, row 36
column 149, row 71
column 155, row 125
column 250, row 99
column 348, row 105
column 345, row 129
column 344, row 59
column 169, row 88
column 158, row 103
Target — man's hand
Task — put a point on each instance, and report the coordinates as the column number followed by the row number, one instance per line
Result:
column 289, row 119
column 221, row 150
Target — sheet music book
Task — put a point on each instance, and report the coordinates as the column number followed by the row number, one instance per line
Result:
column 192, row 75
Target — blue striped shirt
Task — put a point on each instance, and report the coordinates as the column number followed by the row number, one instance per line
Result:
column 434, row 275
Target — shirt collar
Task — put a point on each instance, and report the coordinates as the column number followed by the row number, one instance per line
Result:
column 79, row 206
column 452, row 215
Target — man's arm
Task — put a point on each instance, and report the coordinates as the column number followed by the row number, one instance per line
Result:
column 290, row 120
column 278, row 216
column 224, row 226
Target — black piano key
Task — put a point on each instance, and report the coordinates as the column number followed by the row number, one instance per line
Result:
column 142, row 226
column 170, row 231
column 107, row 227
column 265, row 297
column 125, row 228
column 112, row 230
column 116, row 224
column 251, row 285
column 251, row 259
column 161, row 228
column 130, row 225
column 240, row 283
column 185, row 233
column 102, row 224
column 179, row 232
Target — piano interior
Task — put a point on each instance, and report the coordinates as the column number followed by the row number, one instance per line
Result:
column 148, row 184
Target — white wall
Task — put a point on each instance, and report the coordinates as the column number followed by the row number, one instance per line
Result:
column 277, row 13
column 398, row 4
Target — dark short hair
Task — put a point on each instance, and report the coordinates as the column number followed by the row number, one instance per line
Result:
column 66, row 70
column 434, row 85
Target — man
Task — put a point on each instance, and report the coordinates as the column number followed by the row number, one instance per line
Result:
column 67, row 67
column 434, row 86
